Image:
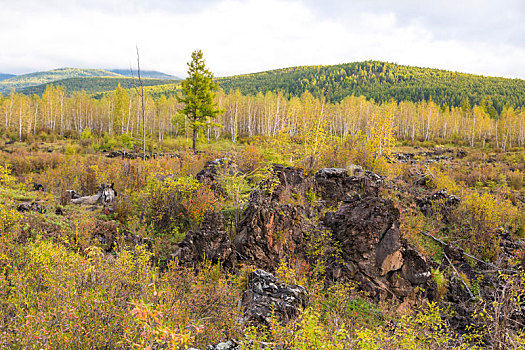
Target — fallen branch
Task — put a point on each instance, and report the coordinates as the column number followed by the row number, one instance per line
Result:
column 468, row 255
column 461, row 278
column 430, row 171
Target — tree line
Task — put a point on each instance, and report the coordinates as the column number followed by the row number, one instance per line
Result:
column 269, row 114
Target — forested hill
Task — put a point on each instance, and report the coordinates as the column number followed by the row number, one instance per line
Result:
column 96, row 80
column 93, row 85
column 26, row 80
column 382, row 81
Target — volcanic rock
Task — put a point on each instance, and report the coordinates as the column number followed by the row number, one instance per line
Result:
column 33, row 206
column 291, row 207
column 266, row 295
column 210, row 242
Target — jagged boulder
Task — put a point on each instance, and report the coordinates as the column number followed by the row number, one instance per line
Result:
column 213, row 169
column 266, row 295
column 372, row 249
column 335, row 184
column 281, row 214
column 274, row 223
column 210, row 241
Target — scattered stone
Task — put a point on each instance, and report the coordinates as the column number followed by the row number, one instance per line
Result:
column 404, row 157
column 266, row 295
column 426, row 204
column 139, row 240
column 38, row 187
column 33, row 206
column 235, row 345
column 59, row 211
column 229, row 345
column 426, row 157
column 461, row 154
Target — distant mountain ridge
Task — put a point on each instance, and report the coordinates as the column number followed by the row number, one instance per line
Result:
column 150, row 74
column 32, row 79
column 4, row 76
column 382, row 81
column 26, row 81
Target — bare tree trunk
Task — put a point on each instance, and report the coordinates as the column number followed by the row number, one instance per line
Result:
column 20, row 124
column 129, row 114
column 36, row 113
column 61, row 114
column 141, row 94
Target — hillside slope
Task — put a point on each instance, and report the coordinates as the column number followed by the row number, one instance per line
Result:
column 32, row 79
column 382, row 81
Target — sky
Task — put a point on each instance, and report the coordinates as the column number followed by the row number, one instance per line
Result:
column 245, row 36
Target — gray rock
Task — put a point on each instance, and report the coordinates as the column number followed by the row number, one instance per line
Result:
column 266, row 295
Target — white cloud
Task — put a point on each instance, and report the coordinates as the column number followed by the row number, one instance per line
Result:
column 240, row 36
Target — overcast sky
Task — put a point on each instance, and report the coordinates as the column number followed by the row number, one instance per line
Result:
column 244, row 36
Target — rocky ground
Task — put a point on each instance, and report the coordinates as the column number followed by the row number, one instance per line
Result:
column 341, row 221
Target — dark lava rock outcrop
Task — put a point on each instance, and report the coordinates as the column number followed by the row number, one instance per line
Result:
column 279, row 217
column 334, row 184
column 210, row 241
column 291, row 206
column 276, row 220
column 372, row 250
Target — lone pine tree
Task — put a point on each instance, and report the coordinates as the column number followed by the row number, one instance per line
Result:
column 198, row 96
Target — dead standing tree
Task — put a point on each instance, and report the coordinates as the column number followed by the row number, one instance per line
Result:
column 140, row 93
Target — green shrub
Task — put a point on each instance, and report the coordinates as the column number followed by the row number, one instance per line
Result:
column 481, row 217
column 174, row 204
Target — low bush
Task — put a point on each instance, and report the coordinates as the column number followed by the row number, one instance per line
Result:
column 173, row 204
